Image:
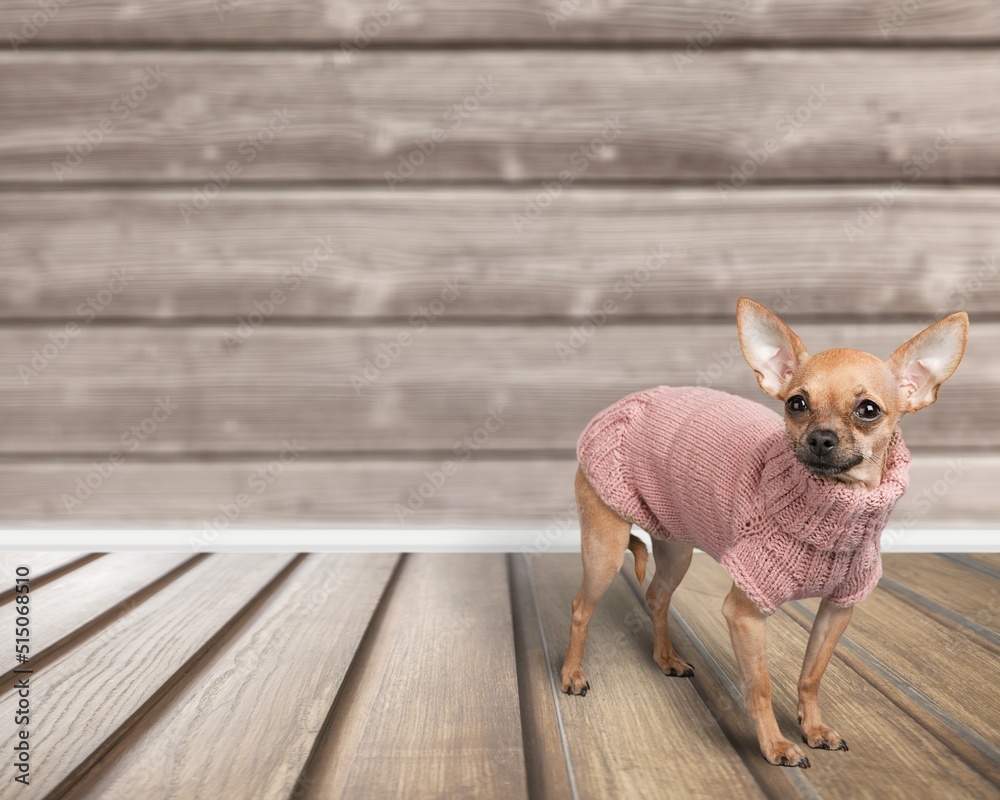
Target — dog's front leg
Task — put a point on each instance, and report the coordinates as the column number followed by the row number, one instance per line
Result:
column 829, row 624
column 748, row 631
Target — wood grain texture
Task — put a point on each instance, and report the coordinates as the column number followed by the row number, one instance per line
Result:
column 458, row 390
column 952, row 585
column 387, row 254
column 423, row 724
column 213, row 739
column 106, row 589
column 356, row 120
column 85, row 701
column 387, row 491
column 547, row 770
column 990, row 560
column 43, row 566
column 921, row 766
column 620, row 733
column 373, row 491
column 621, row 21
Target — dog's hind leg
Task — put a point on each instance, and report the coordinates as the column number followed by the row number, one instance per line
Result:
column 672, row 562
column 604, row 537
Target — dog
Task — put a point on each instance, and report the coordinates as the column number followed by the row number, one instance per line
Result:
column 792, row 509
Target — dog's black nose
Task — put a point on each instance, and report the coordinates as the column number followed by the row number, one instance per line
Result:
column 822, row 441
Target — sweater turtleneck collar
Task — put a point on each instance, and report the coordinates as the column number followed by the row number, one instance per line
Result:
column 811, row 509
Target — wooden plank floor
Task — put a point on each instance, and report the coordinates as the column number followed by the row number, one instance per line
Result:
column 436, row 675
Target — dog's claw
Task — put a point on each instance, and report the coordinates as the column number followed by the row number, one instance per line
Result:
column 825, row 745
column 671, row 671
column 574, row 682
column 785, row 754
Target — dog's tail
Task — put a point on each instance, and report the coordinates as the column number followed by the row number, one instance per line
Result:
column 639, row 552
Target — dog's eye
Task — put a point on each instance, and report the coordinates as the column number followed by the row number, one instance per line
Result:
column 867, row 410
column 797, row 404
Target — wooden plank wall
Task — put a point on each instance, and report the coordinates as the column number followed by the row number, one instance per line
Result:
column 340, row 262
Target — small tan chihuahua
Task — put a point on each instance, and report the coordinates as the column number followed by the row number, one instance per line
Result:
column 839, row 435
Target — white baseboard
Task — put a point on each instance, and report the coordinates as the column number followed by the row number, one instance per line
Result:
column 553, row 539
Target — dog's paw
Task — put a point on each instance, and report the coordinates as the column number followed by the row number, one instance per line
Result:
column 575, row 682
column 783, row 753
column 820, row 737
column 673, row 666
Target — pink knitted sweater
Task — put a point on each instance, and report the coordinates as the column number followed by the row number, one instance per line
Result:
column 717, row 471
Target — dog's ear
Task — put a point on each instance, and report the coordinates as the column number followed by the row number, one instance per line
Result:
column 770, row 347
column 926, row 361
